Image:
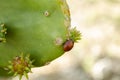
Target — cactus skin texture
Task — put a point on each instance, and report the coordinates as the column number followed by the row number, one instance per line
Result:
column 39, row 28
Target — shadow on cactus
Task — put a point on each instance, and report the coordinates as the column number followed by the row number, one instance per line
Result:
column 38, row 27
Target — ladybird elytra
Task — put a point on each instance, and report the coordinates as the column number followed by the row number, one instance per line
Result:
column 68, row 45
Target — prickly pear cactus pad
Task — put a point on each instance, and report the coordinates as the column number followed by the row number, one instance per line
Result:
column 38, row 28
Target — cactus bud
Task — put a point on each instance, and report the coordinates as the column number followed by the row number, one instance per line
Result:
column 20, row 66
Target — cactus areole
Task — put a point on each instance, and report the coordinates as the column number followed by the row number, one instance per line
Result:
column 38, row 28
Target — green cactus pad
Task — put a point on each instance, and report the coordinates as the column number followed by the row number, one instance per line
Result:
column 35, row 27
column 38, row 28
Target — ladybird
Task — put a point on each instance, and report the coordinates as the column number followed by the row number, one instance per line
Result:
column 68, row 45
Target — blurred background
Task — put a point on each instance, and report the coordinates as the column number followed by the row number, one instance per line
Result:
column 97, row 55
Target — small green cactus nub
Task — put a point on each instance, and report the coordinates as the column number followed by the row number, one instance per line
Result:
column 3, row 32
column 75, row 35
